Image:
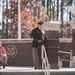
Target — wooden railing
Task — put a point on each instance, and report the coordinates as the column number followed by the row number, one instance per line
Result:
column 69, row 53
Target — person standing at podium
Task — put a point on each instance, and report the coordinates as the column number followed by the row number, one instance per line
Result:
column 36, row 34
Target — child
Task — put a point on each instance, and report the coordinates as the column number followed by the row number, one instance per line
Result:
column 3, row 55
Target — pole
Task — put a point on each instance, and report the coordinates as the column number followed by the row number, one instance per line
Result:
column 19, row 21
column 62, row 2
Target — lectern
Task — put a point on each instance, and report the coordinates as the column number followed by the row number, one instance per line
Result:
column 51, row 46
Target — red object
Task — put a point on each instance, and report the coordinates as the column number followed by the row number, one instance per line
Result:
column 2, row 50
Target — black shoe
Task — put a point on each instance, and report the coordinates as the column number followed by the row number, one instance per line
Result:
column 39, row 67
column 4, row 66
column 36, row 68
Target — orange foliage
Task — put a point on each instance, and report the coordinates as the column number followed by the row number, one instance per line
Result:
column 29, row 16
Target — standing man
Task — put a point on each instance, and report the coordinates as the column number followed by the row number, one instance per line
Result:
column 36, row 34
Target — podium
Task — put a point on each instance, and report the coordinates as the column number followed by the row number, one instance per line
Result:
column 51, row 47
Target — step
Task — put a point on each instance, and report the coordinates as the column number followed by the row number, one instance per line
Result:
column 31, row 71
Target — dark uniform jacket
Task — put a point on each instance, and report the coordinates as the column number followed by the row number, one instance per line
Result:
column 36, row 34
